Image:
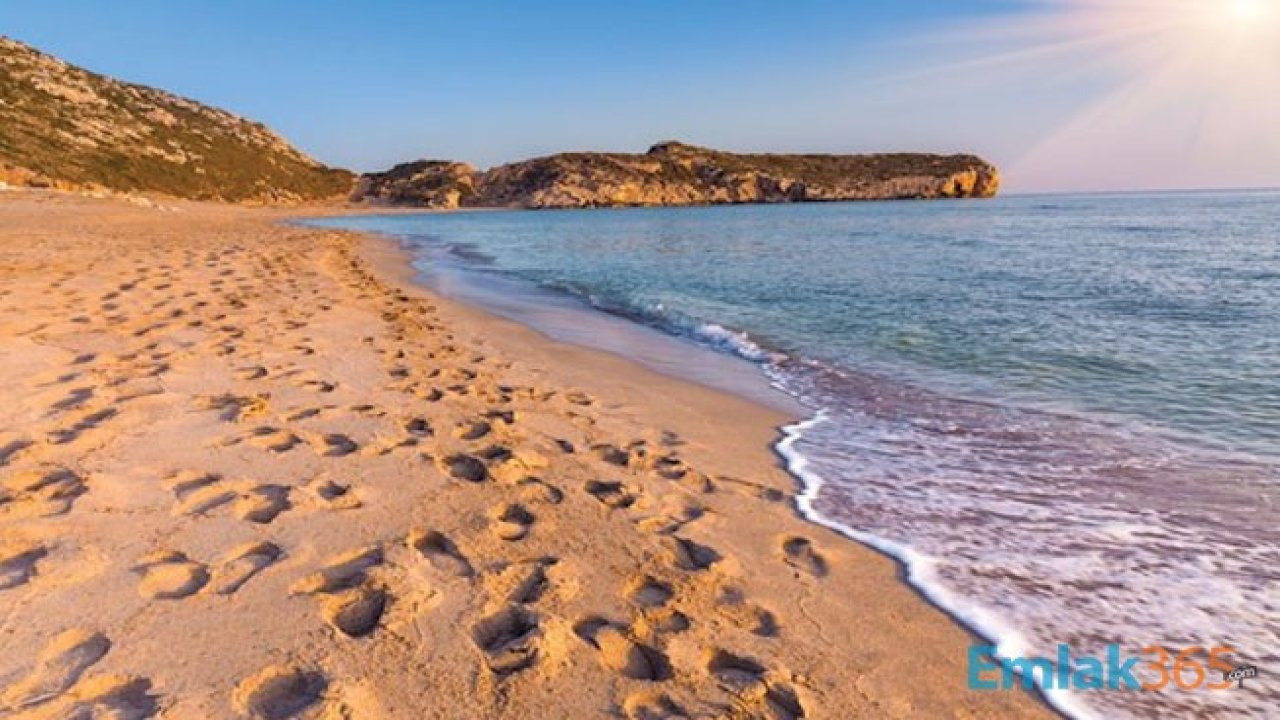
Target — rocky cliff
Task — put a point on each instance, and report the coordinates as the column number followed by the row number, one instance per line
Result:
column 678, row 174
column 62, row 126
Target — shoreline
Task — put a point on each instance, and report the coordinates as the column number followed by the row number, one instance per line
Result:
column 1044, row 590
column 393, row 258
column 272, row 456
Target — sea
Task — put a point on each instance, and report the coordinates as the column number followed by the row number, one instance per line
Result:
column 1060, row 413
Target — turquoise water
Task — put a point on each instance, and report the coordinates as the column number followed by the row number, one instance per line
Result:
column 1062, row 412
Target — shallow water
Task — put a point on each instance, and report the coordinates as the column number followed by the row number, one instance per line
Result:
column 1062, row 412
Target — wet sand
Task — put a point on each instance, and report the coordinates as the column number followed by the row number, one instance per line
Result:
column 251, row 470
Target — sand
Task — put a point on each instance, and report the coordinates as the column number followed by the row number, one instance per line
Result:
column 249, row 470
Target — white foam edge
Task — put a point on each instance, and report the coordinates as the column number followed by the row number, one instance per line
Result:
column 921, row 570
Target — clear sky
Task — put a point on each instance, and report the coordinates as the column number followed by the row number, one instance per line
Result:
column 1062, row 94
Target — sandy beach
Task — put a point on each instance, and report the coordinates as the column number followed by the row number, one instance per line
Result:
column 251, row 470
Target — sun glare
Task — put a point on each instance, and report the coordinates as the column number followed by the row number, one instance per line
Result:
column 1233, row 17
column 1183, row 90
column 1248, row 11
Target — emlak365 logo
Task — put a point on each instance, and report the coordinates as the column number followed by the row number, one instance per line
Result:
column 1151, row 669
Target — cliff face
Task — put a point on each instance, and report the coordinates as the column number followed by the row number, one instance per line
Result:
column 62, row 126
column 678, row 174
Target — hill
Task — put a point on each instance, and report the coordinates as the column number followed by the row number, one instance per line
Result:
column 63, row 126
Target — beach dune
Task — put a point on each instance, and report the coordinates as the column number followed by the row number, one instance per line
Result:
column 248, row 469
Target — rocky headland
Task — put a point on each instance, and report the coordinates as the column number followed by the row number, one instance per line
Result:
column 674, row 173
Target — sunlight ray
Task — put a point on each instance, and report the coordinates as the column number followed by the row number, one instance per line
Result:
column 1193, row 80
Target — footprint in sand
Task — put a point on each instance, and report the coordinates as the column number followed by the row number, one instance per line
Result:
column 662, row 619
column 18, row 563
column 425, row 392
column 506, row 417
column 612, row 494
column 418, row 428
column 763, row 492
column 10, row 449
column 309, row 413
column 261, row 504
column 800, row 553
column 355, row 612
column 648, row 592
column 689, row 555
column 670, row 467
column 734, row 670
column 278, row 692
column 201, row 493
column 512, row 467
column 472, row 430
column 612, row 454
column 341, row 573
column 496, row 454
column 252, row 372
column 678, row 511
column 40, row 492
column 732, row 606
column 369, row 411
column 241, row 564
column 198, row 492
column 441, row 552
column 73, row 400
column 318, row 386
column 748, row 679
column 335, row 445
column 464, row 467
column 235, row 408
column 653, row 706
column 578, row 398
column 777, row 700
column 535, row 490
column 170, row 575
column 511, row 522
column 58, row 668
column 523, row 583
column 63, row 436
column 460, row 376
column 333, row 495
column 274, row 439
column 507, row 639
column 620, row 653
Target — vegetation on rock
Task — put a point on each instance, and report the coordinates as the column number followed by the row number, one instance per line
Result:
column 674, row 173
column 63, row 126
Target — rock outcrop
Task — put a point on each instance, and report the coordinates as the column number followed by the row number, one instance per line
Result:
column 65, row 127
column 677, row 174
column 426, row 183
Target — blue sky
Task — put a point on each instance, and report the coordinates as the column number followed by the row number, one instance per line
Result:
column 365, row 85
